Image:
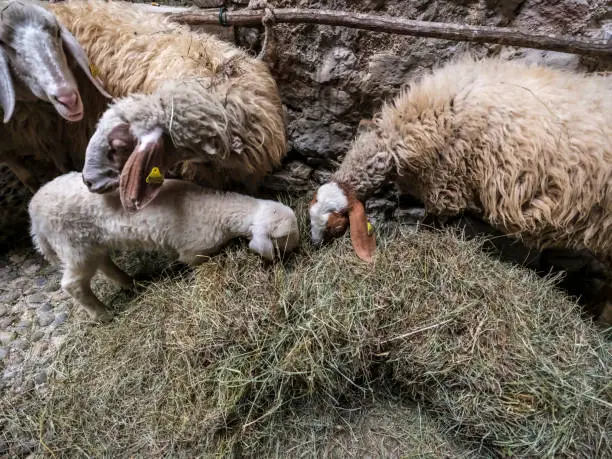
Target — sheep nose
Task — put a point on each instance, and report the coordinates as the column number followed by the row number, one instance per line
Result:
column 68, row 98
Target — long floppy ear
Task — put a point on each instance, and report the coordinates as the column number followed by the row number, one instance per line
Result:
column 7, row 89
column 363, row 241
column 78, row 53
column 142, row 176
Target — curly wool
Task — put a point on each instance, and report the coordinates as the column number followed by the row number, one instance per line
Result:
column 135, row 51
column 526, row 147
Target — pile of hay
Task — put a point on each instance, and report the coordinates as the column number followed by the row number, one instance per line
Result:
column 436, row 350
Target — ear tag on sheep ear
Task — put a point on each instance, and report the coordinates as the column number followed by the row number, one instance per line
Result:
column 155, row 177
column 370, row 229
column 94, row 70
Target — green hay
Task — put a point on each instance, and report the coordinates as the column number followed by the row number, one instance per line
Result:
column 436, row 341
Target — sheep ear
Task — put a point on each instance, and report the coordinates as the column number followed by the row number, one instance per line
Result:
column 78, row 53
column 364, row 241
column 7, row 90
column 143, row 174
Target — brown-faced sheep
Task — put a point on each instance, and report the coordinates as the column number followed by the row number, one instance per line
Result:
column 527, row 148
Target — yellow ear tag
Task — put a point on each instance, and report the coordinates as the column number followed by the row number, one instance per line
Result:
column 370, row 229
column 94, row 70
column 155, row 177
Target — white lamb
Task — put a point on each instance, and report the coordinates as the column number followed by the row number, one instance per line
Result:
column 76, row 228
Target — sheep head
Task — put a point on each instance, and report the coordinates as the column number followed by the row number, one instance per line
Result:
column 33, row 63
column 333, row 209
column 133, row 159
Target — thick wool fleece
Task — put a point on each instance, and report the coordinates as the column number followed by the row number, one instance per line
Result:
column 206, row 90
column 186, row 221
column 526, row 147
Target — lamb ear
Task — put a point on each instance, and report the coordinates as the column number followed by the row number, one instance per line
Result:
column 363, row 243
column 78, row 53
column 134, row 190
column 7, row 89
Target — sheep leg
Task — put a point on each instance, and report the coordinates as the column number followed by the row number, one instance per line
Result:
column 116, row 274
column 76, row 281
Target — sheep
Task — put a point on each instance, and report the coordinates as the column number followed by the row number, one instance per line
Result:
column 44, row 77
column 219, row 107
column 77, row 229
column 526, row 148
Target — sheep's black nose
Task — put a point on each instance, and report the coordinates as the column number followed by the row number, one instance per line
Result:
column 87, row 183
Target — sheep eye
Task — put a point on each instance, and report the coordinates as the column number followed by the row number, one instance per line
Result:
column 112, row 154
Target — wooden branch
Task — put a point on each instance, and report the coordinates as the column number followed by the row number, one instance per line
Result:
column 388, row 24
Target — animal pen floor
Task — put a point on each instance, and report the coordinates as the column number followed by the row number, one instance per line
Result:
column 436, row 351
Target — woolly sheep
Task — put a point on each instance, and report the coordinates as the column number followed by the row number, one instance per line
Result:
column 527, row 148
column 218, row 107
column 77, row 229
column 42, row 68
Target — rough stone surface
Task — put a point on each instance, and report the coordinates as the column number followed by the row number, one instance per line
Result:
column 28, row 344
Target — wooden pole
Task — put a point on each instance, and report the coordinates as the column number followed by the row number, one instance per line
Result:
column 387, row 24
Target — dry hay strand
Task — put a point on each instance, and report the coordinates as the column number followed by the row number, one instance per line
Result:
column 243, row 357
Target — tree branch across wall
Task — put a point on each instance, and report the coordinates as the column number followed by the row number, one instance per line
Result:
column 401, row 26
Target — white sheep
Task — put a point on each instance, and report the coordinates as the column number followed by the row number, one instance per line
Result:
column 44, row 77
column 77, row 229
column 526, row 148
column 194, row 101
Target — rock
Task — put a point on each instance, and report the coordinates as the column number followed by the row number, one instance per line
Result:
column 411, row 215
column 40, row 282
column 37, row 335
column 39, row 348
column 293, row 176
column 6, row 322
column 61, row 318
column 36, row 298
column 3, row 310
column 46, row 306
column 379, row 205
column 6, row 337
column 31, row 270
column 10, row 297
column 23, row 326
column 45, row 318
column 3, row 353
column 606, row 32
column 337, row 63
column 390, row 70
column 17, row 259
column 20, row 343
column 336, row 100
column 41, row 377
column 52, row 285
column 321, row 176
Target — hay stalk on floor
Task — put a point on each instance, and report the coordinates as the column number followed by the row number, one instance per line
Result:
column 231, row 358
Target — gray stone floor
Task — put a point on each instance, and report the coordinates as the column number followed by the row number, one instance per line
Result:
column 34, row 313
